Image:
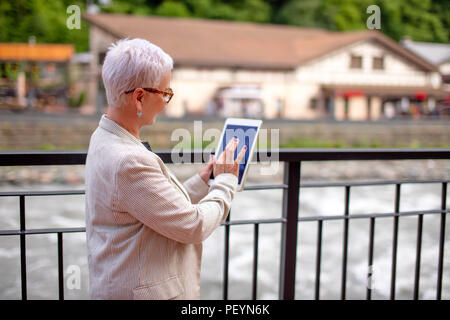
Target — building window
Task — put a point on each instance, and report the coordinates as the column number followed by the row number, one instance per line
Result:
column 101, row 57
column 2, row 70
column 50, row 70
column 378, row 63
column 313, row 103
column 356, row 62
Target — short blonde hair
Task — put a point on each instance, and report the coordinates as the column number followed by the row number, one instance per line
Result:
column 131, row 64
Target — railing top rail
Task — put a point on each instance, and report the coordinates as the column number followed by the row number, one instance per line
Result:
column 78, row 157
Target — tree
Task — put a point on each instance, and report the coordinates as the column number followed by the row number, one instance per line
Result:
column 416, row 19
column 172, row 9
column 45, row 20
column 301, row 13
column 422, row 20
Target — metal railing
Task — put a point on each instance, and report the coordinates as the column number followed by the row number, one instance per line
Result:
column 291, row 187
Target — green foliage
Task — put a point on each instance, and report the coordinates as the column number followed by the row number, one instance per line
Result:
column 349, row 14
column 33, row 73
column 253, row 10
column 306, row 142
column 137, row 7
column 172, row 9
column 46, row 20
column 12, row 70
column 46, row 146
column 422, row 20
column 300, row 13
column 76, row 101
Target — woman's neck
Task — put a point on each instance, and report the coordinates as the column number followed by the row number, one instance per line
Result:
column 124, row 120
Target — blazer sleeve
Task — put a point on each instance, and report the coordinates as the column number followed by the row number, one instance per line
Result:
column 196, row 188
column 144, row 191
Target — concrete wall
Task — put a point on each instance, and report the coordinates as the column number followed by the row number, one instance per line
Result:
column 444, row 68
column 35, row 131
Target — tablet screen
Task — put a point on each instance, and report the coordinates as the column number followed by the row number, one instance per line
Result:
column 246, row 136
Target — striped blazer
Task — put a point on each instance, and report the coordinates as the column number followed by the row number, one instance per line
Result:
column 144, row 229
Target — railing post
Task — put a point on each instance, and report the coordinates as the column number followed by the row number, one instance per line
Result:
column 226, row 260
column 395, row 241
column 418, row 257
column 60, row 266
column 255, row 262
column 441, row 242
column 289, row 230
column 345, row 244
column 23, row 249
column 318, row 258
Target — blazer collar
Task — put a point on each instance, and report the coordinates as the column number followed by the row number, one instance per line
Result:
column 118, row 130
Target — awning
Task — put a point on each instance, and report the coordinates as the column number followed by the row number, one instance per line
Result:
column 384, row 91
column 36, row 52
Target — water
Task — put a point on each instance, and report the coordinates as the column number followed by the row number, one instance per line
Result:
column 68, row 211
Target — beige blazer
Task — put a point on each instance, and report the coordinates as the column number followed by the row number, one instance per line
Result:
column 144, row 228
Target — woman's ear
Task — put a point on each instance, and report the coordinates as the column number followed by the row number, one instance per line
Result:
column 138, row 94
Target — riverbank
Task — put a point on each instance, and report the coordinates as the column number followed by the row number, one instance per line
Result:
column 311, row 171
column 36, row 131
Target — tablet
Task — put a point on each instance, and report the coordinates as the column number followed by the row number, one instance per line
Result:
column 246, row 130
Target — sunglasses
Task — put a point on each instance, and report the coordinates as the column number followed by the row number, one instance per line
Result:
column 167, row 95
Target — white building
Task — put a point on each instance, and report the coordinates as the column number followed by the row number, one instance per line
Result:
column 270, row 71
column 435, row 53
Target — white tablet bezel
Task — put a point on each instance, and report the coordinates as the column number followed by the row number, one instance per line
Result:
column 241, row 122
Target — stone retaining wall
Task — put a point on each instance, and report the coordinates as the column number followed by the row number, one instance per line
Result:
column 28, row 131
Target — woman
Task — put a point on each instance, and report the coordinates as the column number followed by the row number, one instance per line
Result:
column 144, row 228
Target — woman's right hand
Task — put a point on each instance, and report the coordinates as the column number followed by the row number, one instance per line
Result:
column 226, row 163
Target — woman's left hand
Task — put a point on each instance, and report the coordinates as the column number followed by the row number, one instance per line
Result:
column 206, row 172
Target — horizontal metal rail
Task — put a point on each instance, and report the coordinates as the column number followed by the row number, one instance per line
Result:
column 78, row 157
column 249, row 222
column 40, row 231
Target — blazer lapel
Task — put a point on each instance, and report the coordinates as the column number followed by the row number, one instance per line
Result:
column 180, row 186
column 172, row 178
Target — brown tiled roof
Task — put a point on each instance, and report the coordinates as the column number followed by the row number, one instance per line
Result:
column 202, row 42
column 36, row 52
